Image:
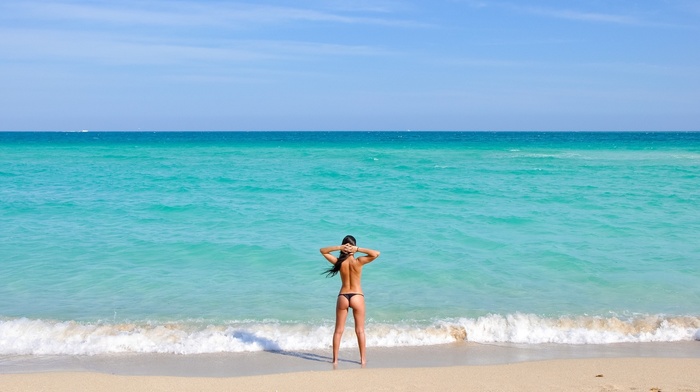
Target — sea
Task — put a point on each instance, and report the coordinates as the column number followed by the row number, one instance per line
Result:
column 208, row 242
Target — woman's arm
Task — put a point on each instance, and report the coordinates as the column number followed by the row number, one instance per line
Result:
column 326, row 252
column 371, row 255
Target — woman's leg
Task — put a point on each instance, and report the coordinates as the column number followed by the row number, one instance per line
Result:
column 341, row 313
column 358, row 313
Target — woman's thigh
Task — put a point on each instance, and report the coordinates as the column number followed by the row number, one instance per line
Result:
column 358, row 309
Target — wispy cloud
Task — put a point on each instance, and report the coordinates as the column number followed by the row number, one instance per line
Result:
column 525, row 42
column 484, row 63
column 192, row 13
column 571, row 14
column 581, row 15
column 641, row 68
column 107, row 48
column 166, row 33
column 378, row 6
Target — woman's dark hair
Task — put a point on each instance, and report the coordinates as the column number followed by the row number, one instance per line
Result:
column 336, row 267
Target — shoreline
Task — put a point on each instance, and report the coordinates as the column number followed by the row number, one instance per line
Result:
column 260, row 363
column 641, row 367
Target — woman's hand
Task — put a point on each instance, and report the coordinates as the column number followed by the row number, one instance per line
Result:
column 348, row 248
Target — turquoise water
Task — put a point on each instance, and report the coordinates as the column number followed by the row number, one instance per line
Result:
column 110, row 240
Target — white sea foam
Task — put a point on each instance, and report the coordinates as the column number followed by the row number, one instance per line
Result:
column 40, row 337
column 531, row 329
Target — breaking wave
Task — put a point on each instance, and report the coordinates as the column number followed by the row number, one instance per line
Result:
column 22, row 336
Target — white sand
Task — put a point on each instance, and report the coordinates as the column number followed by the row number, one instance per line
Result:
column 611, row 374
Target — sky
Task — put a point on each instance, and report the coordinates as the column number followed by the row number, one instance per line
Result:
column 470, row 65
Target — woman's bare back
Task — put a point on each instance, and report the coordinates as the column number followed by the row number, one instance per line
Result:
column 351, row 276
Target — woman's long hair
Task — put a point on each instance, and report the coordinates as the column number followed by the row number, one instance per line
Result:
column 336, row 267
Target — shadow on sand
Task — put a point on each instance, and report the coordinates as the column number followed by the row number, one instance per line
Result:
column 272, row 347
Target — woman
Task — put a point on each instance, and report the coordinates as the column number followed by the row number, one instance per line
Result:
column 350, row 295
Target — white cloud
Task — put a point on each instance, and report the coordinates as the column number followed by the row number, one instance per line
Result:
column 582, row 16
column 486, row 63
column 113, row 49
column 571, row 14
column 191, row 13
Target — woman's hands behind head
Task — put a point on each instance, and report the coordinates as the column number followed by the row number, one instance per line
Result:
column 348, row 248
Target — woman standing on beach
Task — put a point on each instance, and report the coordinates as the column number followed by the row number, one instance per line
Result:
column 350, row 295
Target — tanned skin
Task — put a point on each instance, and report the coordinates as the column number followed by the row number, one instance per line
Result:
column 350, row 277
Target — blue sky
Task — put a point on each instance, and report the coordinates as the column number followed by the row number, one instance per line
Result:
column 350, row 65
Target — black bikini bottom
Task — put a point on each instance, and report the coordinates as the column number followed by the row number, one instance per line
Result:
column 350, row 295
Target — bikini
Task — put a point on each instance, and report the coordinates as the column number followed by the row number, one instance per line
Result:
column 350, row 295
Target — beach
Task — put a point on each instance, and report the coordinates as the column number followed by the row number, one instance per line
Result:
column 621, row 374
column 641, row 367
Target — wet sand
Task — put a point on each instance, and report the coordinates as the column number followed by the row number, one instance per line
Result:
column 639, row 367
